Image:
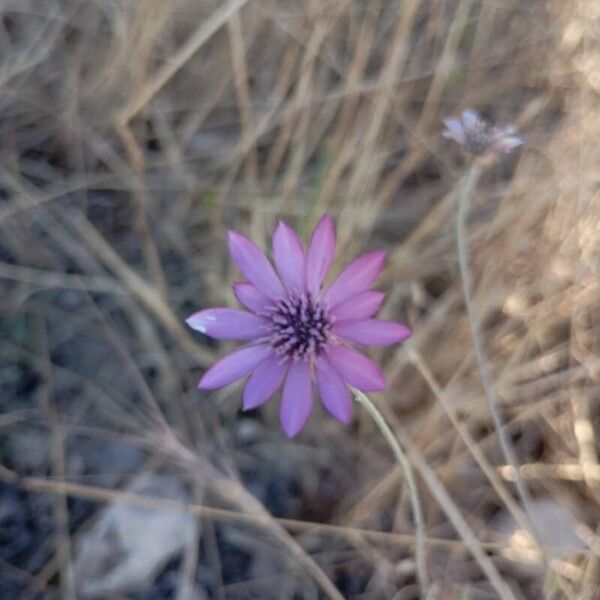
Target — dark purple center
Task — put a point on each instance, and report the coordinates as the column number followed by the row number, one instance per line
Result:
column 479, row 137
column 300, row 327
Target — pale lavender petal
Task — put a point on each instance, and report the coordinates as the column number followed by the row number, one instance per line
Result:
column 509, row 143
column 264, row 382
column 355, row 278
column 320, row 254
column 356, row 369
column 250, row 297
column 228, row 324
column 361, row 306
column 290, row 260
column 372, row 332
column 470, row 118
column 454, row 130
column 234, row 366
column 254, row 265
column 296, row 401
column 335, row 395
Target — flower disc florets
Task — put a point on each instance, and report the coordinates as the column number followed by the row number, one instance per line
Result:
column 300, row 327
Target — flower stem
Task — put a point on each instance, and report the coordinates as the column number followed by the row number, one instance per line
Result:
column 465, row 196
column 420, row 553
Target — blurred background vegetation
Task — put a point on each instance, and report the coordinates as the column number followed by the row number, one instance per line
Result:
column 133, row 134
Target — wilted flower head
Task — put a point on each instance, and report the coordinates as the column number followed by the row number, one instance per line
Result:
column 297, row 331
column 480, row 137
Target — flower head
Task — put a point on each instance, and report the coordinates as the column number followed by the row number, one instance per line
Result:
column 480, row 137
column 297, row 331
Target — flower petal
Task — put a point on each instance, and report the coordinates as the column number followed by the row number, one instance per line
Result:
column 288, row 252
column 356, row 369
column 470, row 118
column 355, row 278
column 250, row 297
column 320, row 254
column 361, row 306
column 372, row 332
column 228, row 324
column 509, row 143
column 254, row 265
column 263, row 382
column 296, row 401
column 335, row 395
column 454, row 130
column 234, row 366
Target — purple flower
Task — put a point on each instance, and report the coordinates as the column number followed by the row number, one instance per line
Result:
column 479, row 137
column 298, row 331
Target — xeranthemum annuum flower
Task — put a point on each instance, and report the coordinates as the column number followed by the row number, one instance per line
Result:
column 298, row 331
column 480, row 137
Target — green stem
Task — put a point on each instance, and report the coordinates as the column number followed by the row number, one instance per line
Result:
column 420, row 553
column 468, row 186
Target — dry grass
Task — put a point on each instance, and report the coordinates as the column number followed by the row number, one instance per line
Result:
column 134, row 134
